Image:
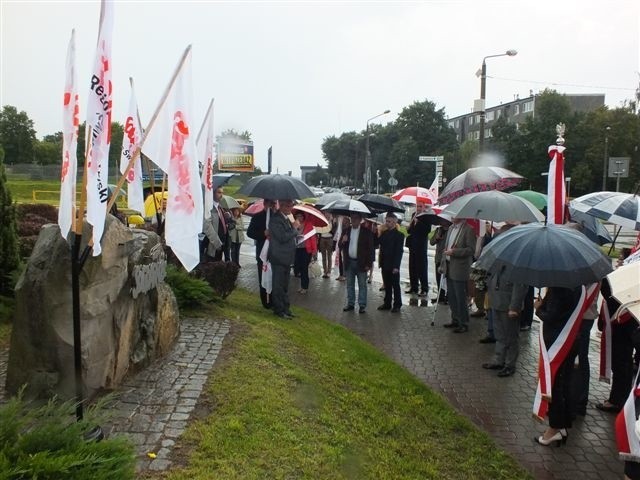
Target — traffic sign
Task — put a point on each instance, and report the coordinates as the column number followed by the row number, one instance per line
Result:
column 393, row 182
column 422, row 158
column 391, row 171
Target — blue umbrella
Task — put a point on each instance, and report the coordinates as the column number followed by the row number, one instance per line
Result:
column 591, row 227
column 545, row 256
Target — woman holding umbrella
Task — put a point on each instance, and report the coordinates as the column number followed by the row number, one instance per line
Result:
column 306, row 248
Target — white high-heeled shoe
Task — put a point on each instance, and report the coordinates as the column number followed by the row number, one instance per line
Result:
column 556, row 439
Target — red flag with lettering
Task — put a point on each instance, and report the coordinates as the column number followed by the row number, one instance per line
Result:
column 130, row 142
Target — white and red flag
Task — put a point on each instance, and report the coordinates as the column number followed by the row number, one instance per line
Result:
column 171, row 143
column 556, row 192
column 626, row 426
column 70, row 124
column 99, row 107
column 130, row 142
column 434, row 189
column 205, row 156
column 552, row 356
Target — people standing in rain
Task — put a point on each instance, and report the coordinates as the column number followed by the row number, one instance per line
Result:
column 325, row 245
column 258, row 231
column 282, row 249
column 417, row 244
column 215, row 228
column 554, row 310
column 391, row 249
column 357, row 247
column 456, row 266
column 506, row 301
column 306, row 249
column 236, row 235
column 438, row 239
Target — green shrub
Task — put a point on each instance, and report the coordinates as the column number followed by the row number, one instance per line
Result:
column 189, row 290
column 47, row 443
column 9, row 252
column 221, row 276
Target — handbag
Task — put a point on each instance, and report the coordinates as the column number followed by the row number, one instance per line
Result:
column 315, row 270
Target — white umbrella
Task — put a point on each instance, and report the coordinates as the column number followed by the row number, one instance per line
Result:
column 347, row 207
column 494, row 206
column 625, row 287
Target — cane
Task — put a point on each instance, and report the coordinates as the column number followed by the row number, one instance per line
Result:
column 435, row 309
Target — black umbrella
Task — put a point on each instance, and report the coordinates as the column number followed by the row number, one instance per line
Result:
column 220, row 179
column 591, row 227
column 275, row 187
column 431, row 218
column 381, row 203
column 545, row 256
column 479, row 179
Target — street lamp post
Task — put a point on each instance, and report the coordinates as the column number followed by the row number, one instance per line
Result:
column 483, row 88
column 605, row 159
column 367, row 163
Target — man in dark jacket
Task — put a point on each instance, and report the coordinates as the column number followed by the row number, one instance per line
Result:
column 357, row 248
column 417, row 244
column 258, row 231
column 391, row 249
column 282, row 249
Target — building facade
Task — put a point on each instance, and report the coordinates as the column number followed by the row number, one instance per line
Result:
column 467, row 126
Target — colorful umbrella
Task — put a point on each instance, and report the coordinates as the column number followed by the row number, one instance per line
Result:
column 414, row 195
column 255, row 208
column 479, row 179
column 312, row 214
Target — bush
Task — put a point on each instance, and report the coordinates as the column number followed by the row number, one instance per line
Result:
column 9, row 250
column 31, row 218
column 189, row 290
column 221, row 276
column 46, row 442
column 42, row 210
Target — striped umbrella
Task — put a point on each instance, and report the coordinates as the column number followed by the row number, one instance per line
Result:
column 622, row 209
column 413, row 195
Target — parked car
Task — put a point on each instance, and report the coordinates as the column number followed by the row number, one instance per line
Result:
column 317, row 192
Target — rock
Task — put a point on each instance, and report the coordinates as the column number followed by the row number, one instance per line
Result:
column 128, row 315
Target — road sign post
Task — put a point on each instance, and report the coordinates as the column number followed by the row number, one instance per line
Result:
column 439, row 161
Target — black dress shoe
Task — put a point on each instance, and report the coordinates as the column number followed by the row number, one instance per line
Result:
column 395, row 310
column 506, row 372
column 384, row 307
column 492, row 366
column 362, row 310
column 290, row 314
column 348, row 308
column 487, row 339
column 450, row 325
column 461, row 329
column 409, row 292
column 608, row 407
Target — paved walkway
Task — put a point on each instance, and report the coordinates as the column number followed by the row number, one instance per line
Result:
column 451, row 364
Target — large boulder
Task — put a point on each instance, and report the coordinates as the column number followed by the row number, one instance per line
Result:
column 128, row 314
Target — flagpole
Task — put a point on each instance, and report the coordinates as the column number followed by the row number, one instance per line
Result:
column 204, row 122
column 163, row 99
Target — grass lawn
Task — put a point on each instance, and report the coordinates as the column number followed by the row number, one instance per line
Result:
column 308, row 399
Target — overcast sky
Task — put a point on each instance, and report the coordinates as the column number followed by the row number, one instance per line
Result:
column 293, row 73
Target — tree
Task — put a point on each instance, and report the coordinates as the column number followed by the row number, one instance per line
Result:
column 9, row 252
column 344, row 166
column 318, row 177
column 17, row 135
column 47, row 153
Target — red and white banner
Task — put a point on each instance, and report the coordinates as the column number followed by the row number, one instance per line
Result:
column 205, row 147
column 626, row 426
column 434, row 189
column 99, row 107
column 551, row 357
column 130, row 142
column 556, row 191
column 171, row 143
column 70, row 124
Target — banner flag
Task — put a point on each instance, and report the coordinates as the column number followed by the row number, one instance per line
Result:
column 205, row 157
column 70, row 124
column 99, row 106
column 556, row 189
column 170, row 141
column 434, row 188
column 131, row 141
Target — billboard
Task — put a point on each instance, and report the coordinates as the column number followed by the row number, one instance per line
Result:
column 235, row 156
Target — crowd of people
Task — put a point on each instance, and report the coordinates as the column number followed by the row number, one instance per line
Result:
column 353, row 244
